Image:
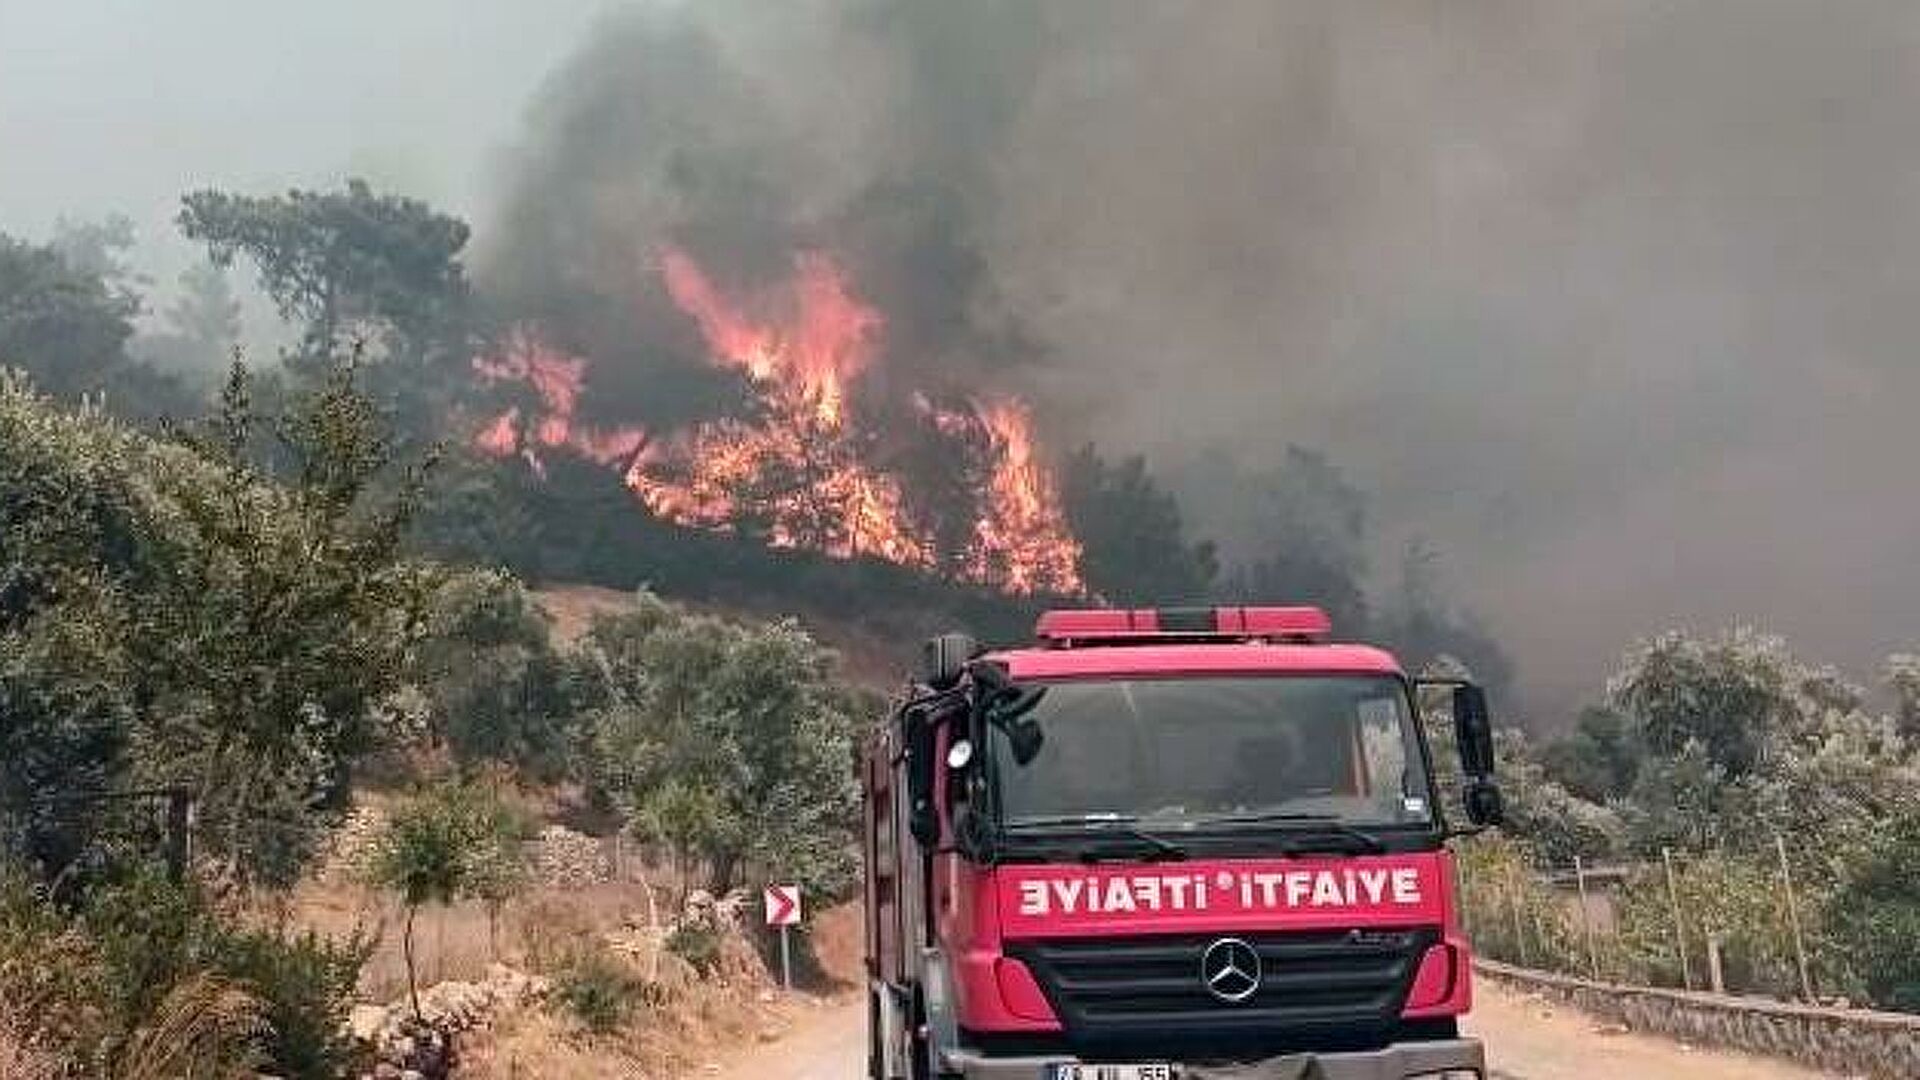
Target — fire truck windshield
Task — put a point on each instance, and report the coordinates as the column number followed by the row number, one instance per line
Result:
column 1177, row 752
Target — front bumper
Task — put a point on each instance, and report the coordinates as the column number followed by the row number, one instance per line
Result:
column 1400, row 1061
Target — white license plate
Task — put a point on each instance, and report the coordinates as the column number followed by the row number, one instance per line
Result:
column 1110, row 1072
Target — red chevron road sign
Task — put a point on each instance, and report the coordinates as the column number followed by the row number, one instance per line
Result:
column 783, row 905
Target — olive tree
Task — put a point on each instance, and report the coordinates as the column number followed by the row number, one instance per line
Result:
column 730, row 744
column 448, row 842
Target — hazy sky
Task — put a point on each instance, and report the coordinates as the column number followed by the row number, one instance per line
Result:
column 121, row 105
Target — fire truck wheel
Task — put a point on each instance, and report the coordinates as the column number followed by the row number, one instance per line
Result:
column 923, row 1068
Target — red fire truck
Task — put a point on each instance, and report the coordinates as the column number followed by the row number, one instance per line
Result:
column 1163, row 844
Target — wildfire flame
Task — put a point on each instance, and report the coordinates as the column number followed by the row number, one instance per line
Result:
column 556, row 379
column 1022, row 539
column 800, row 471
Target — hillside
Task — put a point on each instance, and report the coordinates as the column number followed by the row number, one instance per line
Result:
column 870, row 653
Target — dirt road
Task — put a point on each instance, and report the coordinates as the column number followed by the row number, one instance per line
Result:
column 1526, row 1040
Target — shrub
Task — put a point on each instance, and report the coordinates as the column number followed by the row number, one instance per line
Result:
column 698, row 943
column 1511, row 914
column 1875, row 913
column 305, row 985
column 598, row 990
column 145, row 964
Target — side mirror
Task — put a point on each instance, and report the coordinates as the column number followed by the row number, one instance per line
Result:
column 1024, row 738
column 1483, row 802
column 1473, row 730
column 944, row 659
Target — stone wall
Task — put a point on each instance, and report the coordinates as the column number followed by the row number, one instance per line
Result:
column 1856, row 1042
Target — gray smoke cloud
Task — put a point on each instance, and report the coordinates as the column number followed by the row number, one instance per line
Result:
column 1611, row 303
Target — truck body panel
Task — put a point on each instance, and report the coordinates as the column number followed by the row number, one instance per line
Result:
column 1007, row 938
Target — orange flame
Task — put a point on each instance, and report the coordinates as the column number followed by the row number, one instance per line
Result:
column 557, row 380
column 1021, row 538
column 826, row 342
column 798, row 474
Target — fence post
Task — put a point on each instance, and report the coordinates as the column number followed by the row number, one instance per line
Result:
column 1586, row 917
column 1793, row 920
column 1679, row 930
column 179, row 829
column 1714, row 978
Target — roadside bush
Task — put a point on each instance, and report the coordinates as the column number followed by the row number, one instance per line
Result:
column 727, row 743
column 1510, row 913
column 598, row 990
column 146, row 965
column 698, row 943
column 52, row 983
column 1733, row 897
column 305, row 984
column 1874, row 913
column 448, row 841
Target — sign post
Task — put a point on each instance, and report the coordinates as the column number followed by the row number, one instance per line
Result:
column 783, row 911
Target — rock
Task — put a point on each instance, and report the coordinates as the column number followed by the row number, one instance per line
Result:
column 364, row 1022
column 568, row 859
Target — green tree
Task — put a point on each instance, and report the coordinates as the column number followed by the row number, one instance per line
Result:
column 447, row 842
column 1555, row 823
column 730, row 744
column 206, row 312
column 1420, row 622
column 1903, row 678
column 171, row 614
column 1600, row 760
column 1134, row 541
column 1730, row 695
column 497, row 688
column 67, row 328
column 280, row 622
column 353, row 265
column 1293, row 532
column 101, row 249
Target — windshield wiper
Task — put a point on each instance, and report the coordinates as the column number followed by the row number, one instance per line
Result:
column 1306, row 824
column 1145, row 845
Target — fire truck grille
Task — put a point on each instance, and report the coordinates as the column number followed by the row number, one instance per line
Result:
column 1315, row 989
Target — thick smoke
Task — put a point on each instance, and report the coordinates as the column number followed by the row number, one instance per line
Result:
column 1612, row 303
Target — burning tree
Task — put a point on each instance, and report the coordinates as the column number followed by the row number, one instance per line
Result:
column 811, row 462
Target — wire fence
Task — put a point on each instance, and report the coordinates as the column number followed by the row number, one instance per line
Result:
column 61, row 837
column 1720, row 922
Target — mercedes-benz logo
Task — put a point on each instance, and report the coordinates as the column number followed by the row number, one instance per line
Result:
column 1230, row 969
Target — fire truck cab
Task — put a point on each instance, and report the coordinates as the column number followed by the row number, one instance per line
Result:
column 1171, row 843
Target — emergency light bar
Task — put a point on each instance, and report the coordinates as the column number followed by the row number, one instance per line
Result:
column 1096, row 626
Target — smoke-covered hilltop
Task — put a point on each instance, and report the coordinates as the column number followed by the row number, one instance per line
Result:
column 1607, row 303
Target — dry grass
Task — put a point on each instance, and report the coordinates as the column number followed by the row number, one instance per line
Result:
column 703, row 1024
column 23, row 1058
column 457, row 941
column 205, row 1027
